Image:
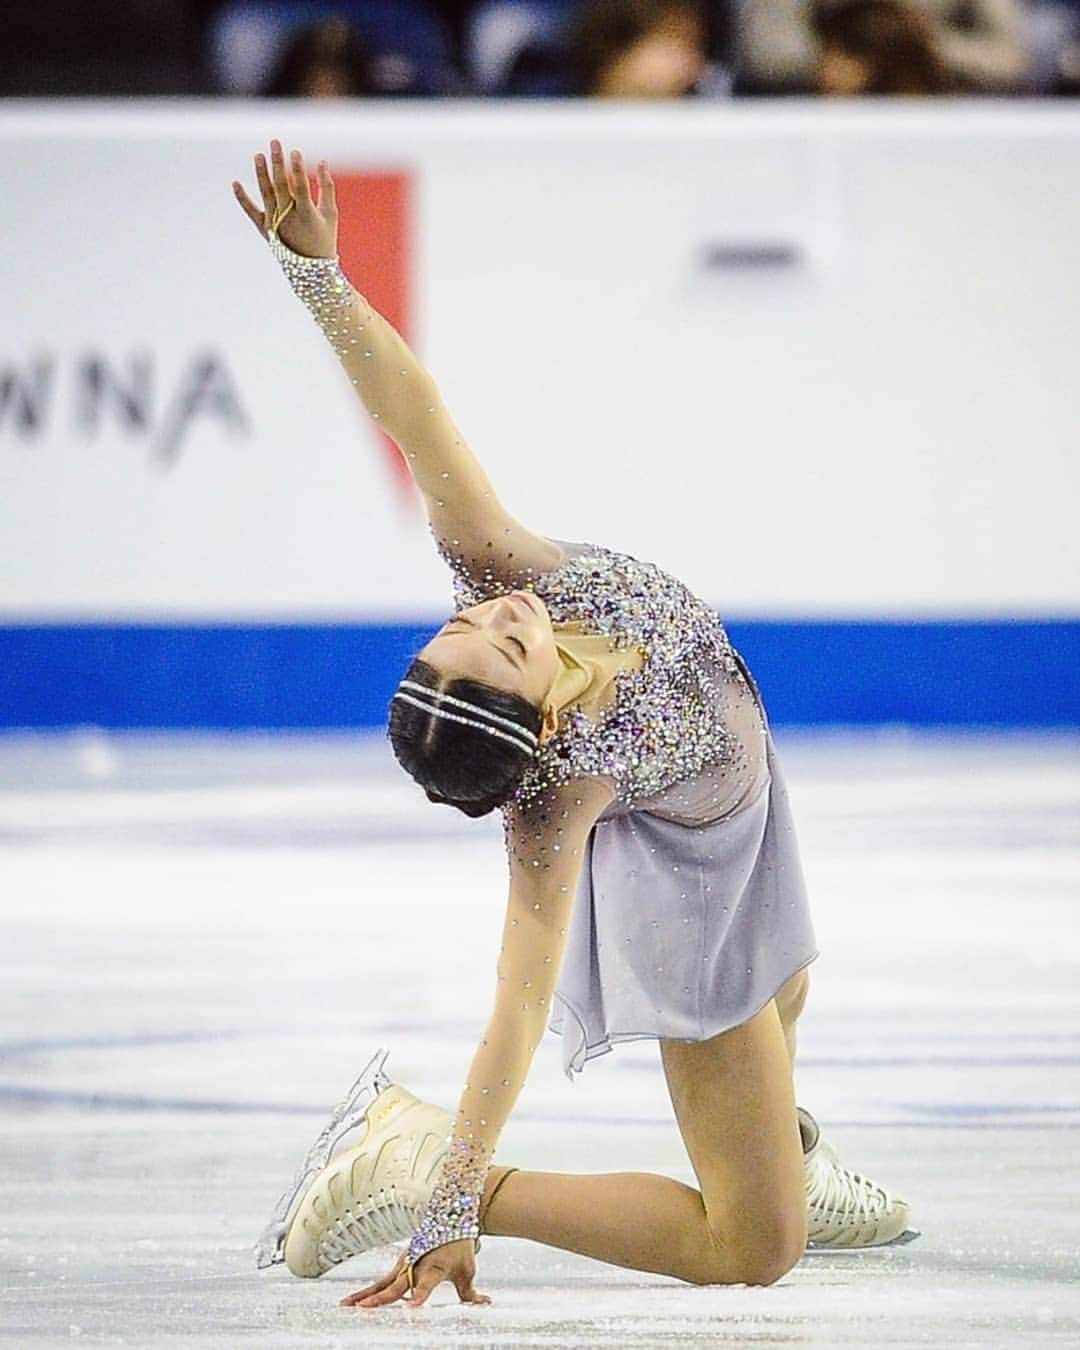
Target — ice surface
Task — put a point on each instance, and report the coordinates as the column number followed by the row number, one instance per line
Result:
column 202, row 941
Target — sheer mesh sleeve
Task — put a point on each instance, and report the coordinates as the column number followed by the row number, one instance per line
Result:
column 472, row 529
column 546, row 845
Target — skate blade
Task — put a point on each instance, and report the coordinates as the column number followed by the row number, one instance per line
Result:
column 901, row 1240
column 349, row 1112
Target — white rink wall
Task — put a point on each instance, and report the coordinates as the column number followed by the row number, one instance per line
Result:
column 883, row 425
column 818, row 361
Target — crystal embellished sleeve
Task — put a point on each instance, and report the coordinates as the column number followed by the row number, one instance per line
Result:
column 467, row 519
column 546, row 846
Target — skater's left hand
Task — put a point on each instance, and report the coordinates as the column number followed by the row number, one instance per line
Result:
column 309, row 226
column 455, row 1262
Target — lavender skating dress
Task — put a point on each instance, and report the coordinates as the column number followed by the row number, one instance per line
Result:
column 691, row 910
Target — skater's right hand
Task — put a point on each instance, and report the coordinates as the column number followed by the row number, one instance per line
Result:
column 308, row 226
column 455, row 1261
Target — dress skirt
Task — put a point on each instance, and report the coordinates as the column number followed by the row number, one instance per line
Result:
column 682, row 931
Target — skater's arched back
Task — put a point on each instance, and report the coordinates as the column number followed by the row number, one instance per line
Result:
column 654, row 882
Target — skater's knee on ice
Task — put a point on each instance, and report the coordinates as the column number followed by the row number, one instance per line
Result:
column 766, row 1265
column 762, row 1255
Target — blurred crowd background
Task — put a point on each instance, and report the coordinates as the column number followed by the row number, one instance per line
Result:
column 705, row 49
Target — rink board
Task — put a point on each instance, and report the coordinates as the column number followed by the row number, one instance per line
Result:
column 774, row 350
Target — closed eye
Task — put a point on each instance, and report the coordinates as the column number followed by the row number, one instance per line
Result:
column 460, row 618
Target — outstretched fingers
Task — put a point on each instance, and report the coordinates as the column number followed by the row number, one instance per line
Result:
column 283, row 189
column 284, row 184
column 353, row 1299
column 266, row 187
column 249, row 208
column 327, row 191
column 301, row 185
column 467, row 1294
column 378, row 1286
column 379, row 1294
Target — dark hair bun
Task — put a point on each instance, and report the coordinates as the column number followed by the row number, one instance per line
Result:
column 459, row 764
column 483, row 807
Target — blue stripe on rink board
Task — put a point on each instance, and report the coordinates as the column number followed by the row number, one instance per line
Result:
column 210, row 676
column 1022, row 673
column 1017, row 674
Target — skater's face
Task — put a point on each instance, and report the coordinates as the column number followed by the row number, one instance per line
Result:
column 507, row 643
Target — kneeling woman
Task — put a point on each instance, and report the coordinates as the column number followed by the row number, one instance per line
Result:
column 655, row 887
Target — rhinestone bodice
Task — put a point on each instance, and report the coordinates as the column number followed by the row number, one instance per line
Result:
column 667, row 720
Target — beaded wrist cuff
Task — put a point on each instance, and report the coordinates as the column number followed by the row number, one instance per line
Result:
column 318, row 282
column 453, row 1212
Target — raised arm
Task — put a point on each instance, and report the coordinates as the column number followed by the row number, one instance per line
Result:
column 467, row 518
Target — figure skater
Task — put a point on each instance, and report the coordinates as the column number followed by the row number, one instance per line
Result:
column 655, row 889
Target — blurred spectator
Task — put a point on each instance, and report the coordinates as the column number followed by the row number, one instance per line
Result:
column 637, row 48
column 982, row 43
column 52, row 47
column 1068, row 81
column 455, row 14
column 618, row 48
column 525, row 47
column 324, row 60
column 518, row 47
column 1053, row 30
column 263, row 46
column 878, row 47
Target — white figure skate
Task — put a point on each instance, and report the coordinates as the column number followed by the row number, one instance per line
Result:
column 844, row 1209
column 367, row 1196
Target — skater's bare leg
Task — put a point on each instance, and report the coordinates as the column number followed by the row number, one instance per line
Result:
column 746, row 1223
column 790, row 1001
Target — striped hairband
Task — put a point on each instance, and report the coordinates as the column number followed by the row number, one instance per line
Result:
column 516, row 734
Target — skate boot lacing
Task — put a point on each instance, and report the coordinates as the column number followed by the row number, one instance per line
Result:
column 378, row 1224
column 839, row 1194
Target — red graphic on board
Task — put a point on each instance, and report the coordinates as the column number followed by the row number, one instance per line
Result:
column 375, row 242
